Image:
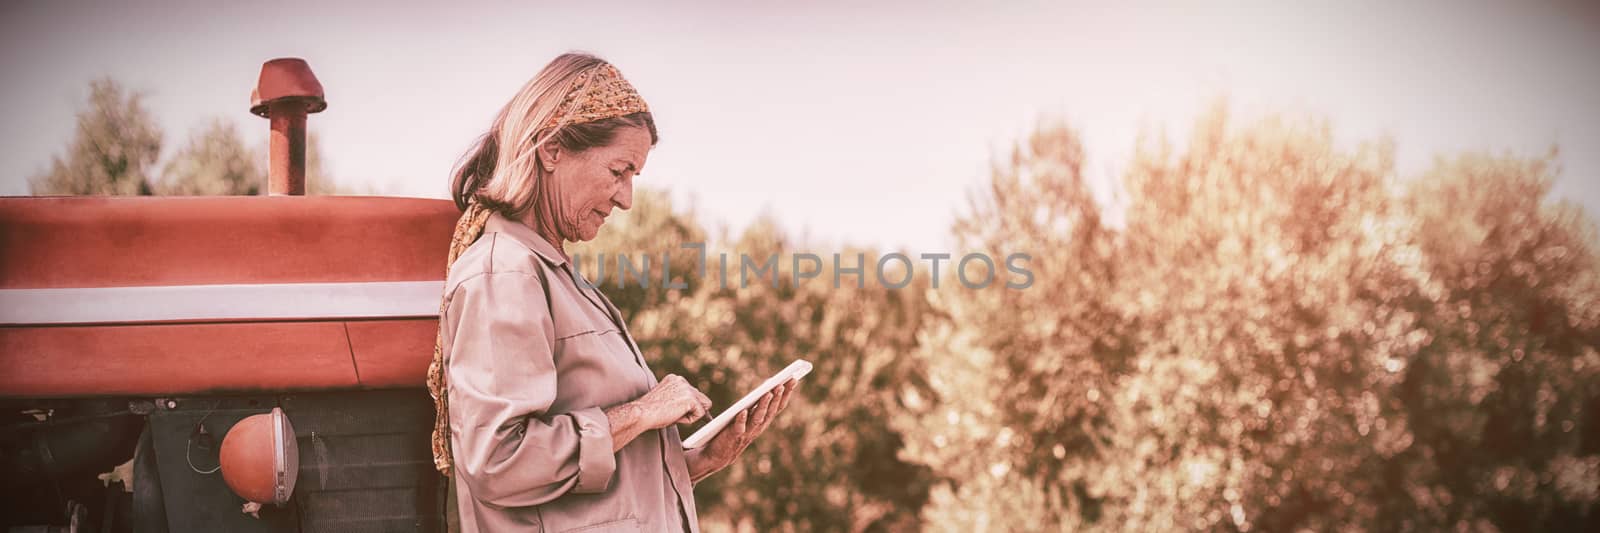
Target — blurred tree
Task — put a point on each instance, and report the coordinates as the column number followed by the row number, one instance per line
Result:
column 1018, row 374
column 1269, row 265
column 215, row 162
column 1504, row 398
column 1274, row 341
column 113, row 152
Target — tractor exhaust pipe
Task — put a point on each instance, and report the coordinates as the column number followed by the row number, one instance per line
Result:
column 286, row 92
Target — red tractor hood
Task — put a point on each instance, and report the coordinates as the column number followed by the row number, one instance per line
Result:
column 167, row 296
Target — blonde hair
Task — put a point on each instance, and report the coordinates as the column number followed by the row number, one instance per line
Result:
column 504, row 170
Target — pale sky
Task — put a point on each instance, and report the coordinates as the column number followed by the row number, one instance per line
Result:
column 850, row 124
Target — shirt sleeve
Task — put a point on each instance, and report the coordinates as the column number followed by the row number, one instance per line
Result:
column 508, row 446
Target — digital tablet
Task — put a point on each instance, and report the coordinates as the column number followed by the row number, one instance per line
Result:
column 795, row 371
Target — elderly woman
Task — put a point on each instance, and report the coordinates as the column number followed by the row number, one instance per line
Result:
column 549, row 417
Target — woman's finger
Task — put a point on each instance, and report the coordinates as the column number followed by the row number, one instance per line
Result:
column 772, row 411
column 779, row 397
column 788, row 389
column 705, row 401
column 760, row 410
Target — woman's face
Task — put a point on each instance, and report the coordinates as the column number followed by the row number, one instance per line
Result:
column 589, row 184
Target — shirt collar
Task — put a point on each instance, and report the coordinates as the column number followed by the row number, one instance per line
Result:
column 525, row 235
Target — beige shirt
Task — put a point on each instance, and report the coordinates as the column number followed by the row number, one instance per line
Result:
column 533, row 356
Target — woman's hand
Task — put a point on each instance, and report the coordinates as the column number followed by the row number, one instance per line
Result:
column 672, row 401
column 724, row 448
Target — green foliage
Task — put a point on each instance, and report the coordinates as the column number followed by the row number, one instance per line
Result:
column 1505, row 399
column 216, row 162
column 1276, row 340
column 113, row 152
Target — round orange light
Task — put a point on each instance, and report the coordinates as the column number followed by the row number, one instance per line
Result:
column 260, row 459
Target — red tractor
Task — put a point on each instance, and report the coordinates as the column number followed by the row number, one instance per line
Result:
column 222, row 363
